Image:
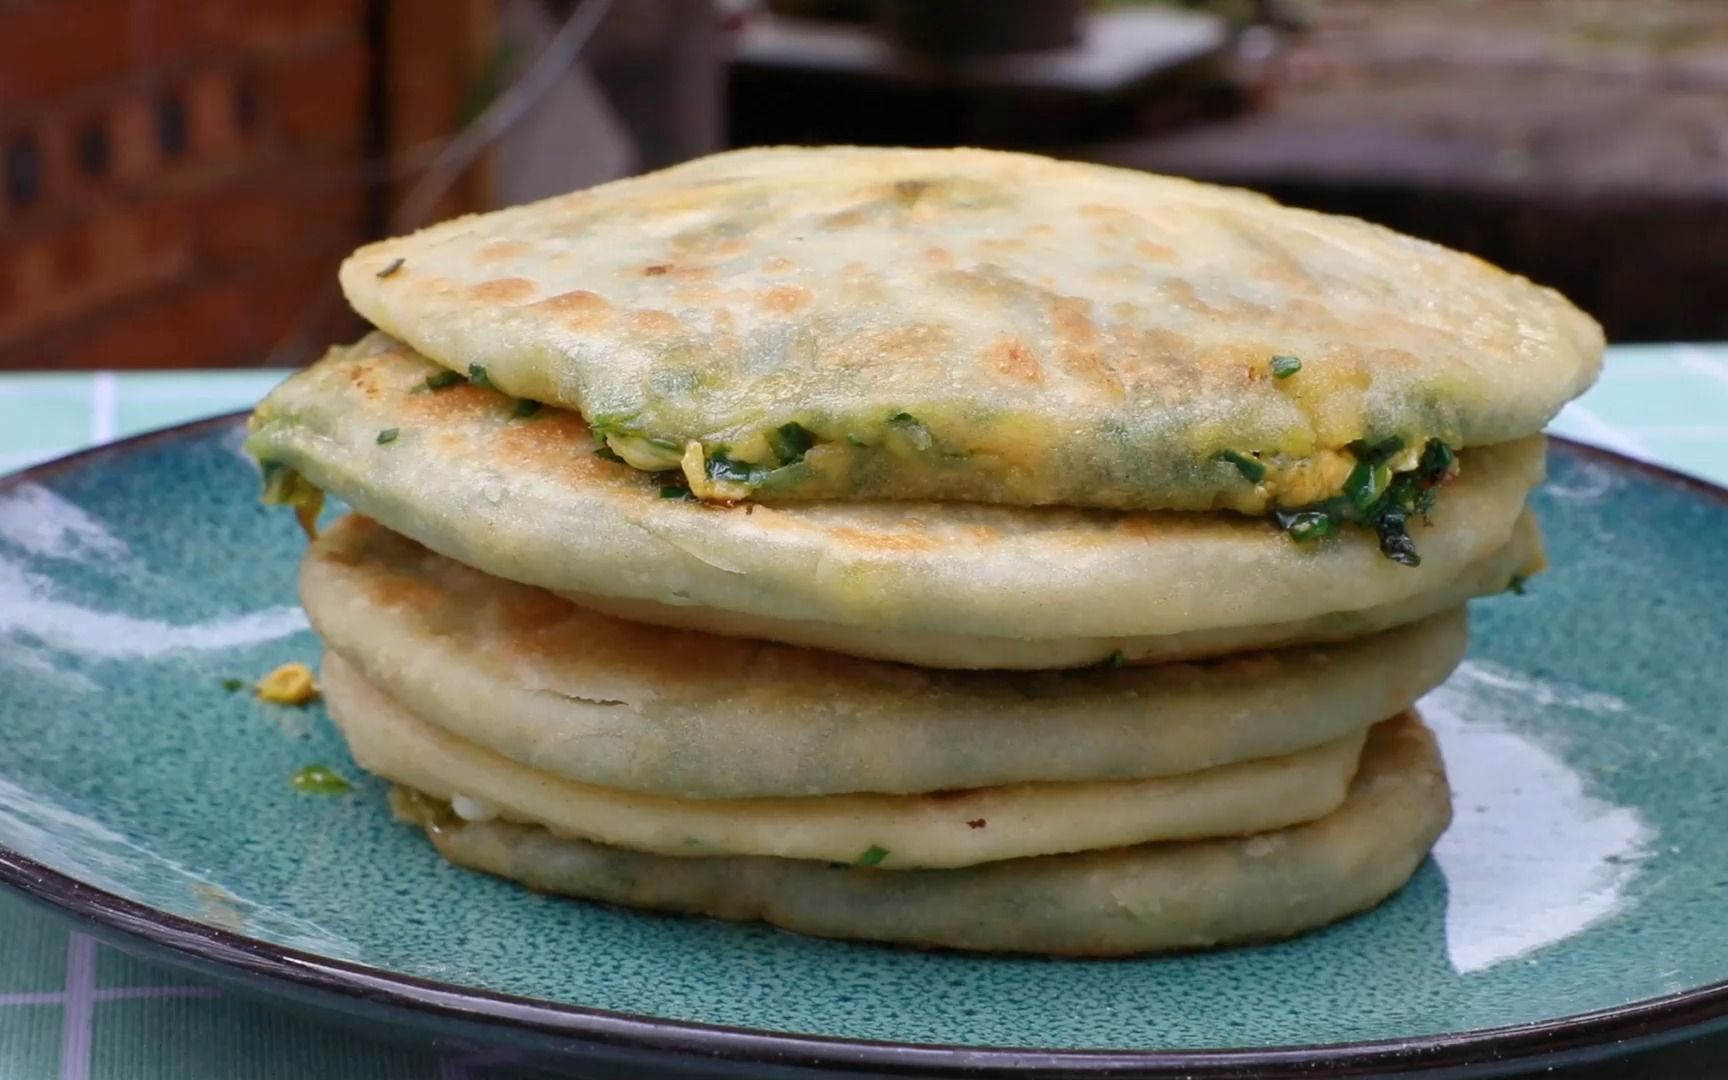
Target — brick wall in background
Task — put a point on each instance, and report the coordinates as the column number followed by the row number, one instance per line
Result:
column 178, row 178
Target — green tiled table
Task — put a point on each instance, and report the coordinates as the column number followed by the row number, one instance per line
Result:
column 74, row 1010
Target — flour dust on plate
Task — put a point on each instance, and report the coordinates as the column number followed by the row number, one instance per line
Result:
column 1576, row 902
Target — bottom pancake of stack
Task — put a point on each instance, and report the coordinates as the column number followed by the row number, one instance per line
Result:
column 1097, row 812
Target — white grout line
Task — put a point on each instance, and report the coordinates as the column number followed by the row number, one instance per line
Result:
column 103, row 407
column 111, row 993
column 1600, row 431
column 46, row 997
column 76, row 1020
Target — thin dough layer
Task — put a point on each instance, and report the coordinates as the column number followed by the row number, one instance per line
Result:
column 1150, row 898
column 1522, row 557
column 938, row 829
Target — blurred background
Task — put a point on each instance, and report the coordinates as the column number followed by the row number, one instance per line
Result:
column 180, row 177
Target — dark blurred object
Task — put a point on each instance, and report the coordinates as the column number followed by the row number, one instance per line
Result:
column 981, row 27
column 179, row 179
column 1583, row 144
column 176, row 174
column 1128, row 68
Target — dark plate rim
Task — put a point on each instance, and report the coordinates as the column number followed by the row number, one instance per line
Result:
column 174, row 937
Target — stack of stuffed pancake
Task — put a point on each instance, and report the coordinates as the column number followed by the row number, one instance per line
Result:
column 945, row 547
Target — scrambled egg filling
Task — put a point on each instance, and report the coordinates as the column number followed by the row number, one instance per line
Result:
column 290, row 684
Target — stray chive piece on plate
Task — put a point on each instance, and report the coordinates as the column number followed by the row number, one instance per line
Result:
column 393, row 266
column 1285, row 366
column 319, row 780
column 873, row 856
column 477, row 375
column 1250, row 468
column 1516, row 585
column 388, row 435
column 233, row 686
column 525, row 408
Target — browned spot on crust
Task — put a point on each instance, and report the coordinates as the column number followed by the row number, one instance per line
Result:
column 1014, row 359
column 556, row 442
column 778, row 264
column 400, row 591
column 939, row 256
column 909, row 191
column 948, row 794
column 500, row 250
column 656, row 270
column 784, row 299
column 976, row 823
column 871, row 540
column 1151, row 249
column 725, row 249
column 655, row 321
column 527, row 616
column 1182, row 294
column 509, row 290
column 578, row 309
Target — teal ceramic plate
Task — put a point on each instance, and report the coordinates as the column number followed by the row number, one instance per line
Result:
column 1577, row 905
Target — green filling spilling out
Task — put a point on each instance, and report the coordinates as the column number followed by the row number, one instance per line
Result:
column 1376, row 498
column 285, row 487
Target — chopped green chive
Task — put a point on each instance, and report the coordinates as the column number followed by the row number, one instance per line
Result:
column 319, row 780
column 1115, row 660
column 675, row 491
column 1285, row 366
column 526, row 408
column 1374, row 453
column 1250, row 468
column 1516, row 585
column 439, row 381
column 477, row 375
column 606, row 453
column 1366, row 483
column 1438, row 461
column 853, row 440
column 391, row 267
column 1305, row 526
column 720, row 465
column 790, row 442
column 873, row 856
column 234, row 686
column 388, row 435
column 1376, row 498
column 912, row 430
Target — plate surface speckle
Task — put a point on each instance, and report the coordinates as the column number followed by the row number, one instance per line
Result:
column 1587, row 869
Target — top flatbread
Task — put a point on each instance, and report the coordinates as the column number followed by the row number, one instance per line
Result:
column 976, row 325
